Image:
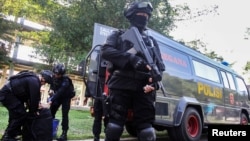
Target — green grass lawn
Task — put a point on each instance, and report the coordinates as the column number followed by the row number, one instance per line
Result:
column 80, row 124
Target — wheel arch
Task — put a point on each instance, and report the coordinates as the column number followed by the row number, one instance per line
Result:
column 183, row 104
column 244, row 111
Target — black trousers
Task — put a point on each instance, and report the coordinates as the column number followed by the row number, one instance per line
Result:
column 65, row 103
column 141, row 104
column 98, row 118
column 16, row 110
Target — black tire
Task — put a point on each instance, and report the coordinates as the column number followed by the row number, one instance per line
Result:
column 244, row 119
column 131, row 129
column 172, row 134
column 159, row 127
column 190, row 128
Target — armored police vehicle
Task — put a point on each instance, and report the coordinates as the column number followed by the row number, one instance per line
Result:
column 196, row 90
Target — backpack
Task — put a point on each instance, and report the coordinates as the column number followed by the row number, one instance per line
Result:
column 38, row 128
column 17, row 85
column 22, row 74
column 72, row 88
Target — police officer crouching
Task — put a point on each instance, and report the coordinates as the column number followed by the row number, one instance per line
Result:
column 22, row 92
column 130, row 84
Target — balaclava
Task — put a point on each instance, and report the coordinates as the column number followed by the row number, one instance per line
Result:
column 139, row 21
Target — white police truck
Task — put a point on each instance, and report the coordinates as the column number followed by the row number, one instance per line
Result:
column 197, row 91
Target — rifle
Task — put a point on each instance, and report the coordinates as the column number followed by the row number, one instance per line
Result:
column 133, row 36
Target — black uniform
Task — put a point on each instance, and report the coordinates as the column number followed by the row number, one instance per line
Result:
column 98, row 118
column 126, row 85
column 18, row 95
column 129, row 75
column 61, row 96
column 96, row 93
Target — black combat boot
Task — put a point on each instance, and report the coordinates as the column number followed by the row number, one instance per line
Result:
column 5, row 137
column 63, row 136
column 96, row 138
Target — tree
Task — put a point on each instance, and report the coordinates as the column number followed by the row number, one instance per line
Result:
column 72, row 33
column 4, row 52
column 27, row 9
column 247, row 66
column 247, row 34
column 73, row 26
column 247, row 69
column 200, row 46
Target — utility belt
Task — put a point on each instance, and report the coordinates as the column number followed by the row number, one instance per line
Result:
column 132, row 74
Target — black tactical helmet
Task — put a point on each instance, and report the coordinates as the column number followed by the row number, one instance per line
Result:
column 138, row 7
column 47, row 75
column 59, row 69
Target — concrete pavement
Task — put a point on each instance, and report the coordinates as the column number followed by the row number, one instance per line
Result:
column 124, row 139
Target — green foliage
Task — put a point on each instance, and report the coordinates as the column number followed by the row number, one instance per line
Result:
column 4, row 115
column 73, row 25
column 247, row 69
column 4, row 52
column 7, row 29
column 200, row 46
column 29, row 9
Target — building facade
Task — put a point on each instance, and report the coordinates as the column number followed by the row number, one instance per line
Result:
column 22, row 57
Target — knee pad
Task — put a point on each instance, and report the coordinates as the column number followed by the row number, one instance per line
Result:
column 147, row 134
column 113, row 132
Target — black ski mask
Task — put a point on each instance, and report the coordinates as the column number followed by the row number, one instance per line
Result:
column 139, row 21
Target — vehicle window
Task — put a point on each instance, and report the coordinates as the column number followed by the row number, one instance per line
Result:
column 205, row 71
column 174, row 60
column 231, row 81
column 242, row 89
column 224, row 78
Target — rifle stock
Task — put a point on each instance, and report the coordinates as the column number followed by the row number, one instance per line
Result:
column 132, row 35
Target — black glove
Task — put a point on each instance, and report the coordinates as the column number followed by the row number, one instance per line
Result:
column 138, row 63
column 32, row 115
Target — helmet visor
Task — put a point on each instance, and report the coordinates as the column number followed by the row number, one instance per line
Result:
column 145, row 5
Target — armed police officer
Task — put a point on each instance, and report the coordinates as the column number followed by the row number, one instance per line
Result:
column 61, row 93
column 97, row 96
column 22, row 92
column 131, row 84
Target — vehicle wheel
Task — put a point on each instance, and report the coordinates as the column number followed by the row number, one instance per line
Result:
column 190, row 128
column 244, row 119
column 131, row 129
